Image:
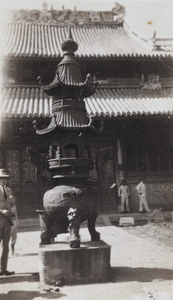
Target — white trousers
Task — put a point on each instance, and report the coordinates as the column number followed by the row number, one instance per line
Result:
column 14, row 232
column 143, row 203
column 124, row 204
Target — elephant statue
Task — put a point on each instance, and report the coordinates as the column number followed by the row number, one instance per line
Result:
column 66, row 207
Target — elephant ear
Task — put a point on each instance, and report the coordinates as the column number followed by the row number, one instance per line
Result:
column 69, row 195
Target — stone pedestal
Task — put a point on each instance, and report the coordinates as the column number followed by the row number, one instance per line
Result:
column 88, row 264
column 126, row 221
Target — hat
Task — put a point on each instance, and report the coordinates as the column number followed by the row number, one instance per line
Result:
column 3, row 174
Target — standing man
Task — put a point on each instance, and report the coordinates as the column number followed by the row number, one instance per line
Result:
column 141, row 189
column 14, row 227
column 124, row 193
column 6, row 204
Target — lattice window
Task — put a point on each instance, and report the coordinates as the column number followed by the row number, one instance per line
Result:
column 149, row 158
column 28, row 169
column 131, row 158
column 104, row 163
column 163, row 157
column 142, row 158
column 12, row 166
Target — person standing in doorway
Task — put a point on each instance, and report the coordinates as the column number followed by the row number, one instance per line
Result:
column 141, row 190
column 6, row 204
column 124, row 193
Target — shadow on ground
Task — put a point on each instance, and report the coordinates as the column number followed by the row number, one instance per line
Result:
column 126, row 274
column 23, row 254
column 118, row 275
column 29, row 295
column 20, row 277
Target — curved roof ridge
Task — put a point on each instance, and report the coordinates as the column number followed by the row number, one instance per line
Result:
column 121, row 42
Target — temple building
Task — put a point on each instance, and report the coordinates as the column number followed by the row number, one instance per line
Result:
column 126, row 91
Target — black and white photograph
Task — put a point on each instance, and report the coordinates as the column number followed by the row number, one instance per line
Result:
column 86, row 149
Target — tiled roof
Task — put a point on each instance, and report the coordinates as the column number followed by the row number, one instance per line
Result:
column 44, row 41
column 33, row 102
column 25, row 102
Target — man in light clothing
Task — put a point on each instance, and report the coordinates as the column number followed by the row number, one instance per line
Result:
column 124, row 193
column 141, row 189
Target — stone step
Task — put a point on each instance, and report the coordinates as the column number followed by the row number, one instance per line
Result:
column 28, row 224
column 33, row 223
column 139, row 218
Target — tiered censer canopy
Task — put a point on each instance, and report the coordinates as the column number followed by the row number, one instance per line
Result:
column 69, row 153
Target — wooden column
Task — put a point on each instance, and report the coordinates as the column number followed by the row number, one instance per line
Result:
column 120, row 169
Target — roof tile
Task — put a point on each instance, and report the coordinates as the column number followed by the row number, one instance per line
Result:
column 33, row 102
column 40, row 40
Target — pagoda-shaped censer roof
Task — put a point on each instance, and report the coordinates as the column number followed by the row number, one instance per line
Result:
column 68, row 90
column 68, row 73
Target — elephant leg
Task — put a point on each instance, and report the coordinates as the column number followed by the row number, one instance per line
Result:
column 74, row 225
column 47, row 233
column 60, row 226
column 95, row 236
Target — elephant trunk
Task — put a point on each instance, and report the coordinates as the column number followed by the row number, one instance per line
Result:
column 74, row 225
